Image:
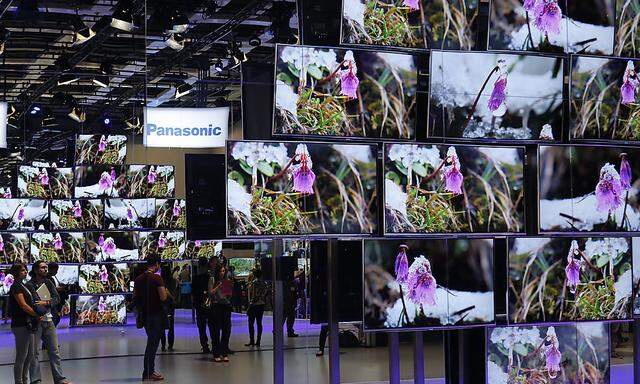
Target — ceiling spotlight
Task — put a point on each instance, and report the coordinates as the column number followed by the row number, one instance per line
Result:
column 134, row 124
column 77, row 115
column 179, row 22
column 67, row 79
column 175, row 41
column 35, row 110
column 218, row 66
column 183, row 88
column 122, row 18
column 82, row 32
column 102, row 78
column 236, row 54
column 255, row 41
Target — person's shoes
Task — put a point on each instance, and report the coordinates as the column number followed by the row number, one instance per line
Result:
column 249, row 344
column 257, row 344
column 225, row 359
column 171, row 349
column 320, row 353
column 154, row 377
column 292, row 334
column 217, row 359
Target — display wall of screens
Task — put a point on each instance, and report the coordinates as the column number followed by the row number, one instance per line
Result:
column 123, row 214
column 80, row 214
column 427, row 283
column 100, row 149
column 345, row 92
column 453, row 189
column 104, row 278
column 170, row 214
column 484, row 95
column 24, row 215
column 196, row 249
column 170, row 245
column 151, row 181
column 99, row 310
column 14, row 247
column 569, row 279
column 45, row 183
column 603, row 101
column 294, row 188
column 586, row 188
column 112, row 246
column 564, row 26
column 100, row 181
column 571, row 353
column 434, row 24
column 58, row 247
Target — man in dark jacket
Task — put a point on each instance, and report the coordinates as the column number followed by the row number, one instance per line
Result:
column 198, row 295
column 46, row 329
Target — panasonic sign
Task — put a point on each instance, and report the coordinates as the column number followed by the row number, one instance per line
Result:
column 186, row 127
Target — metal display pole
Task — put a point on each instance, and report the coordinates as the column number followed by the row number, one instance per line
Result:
column 418, row 357
column 334, row 337
column 278, row 314
column 394, row 357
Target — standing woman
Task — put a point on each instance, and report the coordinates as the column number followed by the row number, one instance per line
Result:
column 221, row 291
column 170, row 307
column 24, row 323
column 257, row 296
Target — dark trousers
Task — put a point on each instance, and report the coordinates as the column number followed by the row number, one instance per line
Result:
column 203, row 320
column 154, row 329
column 170, row 332
column 254, row 314
column 290, row 316
column 324, row 332
column 221, row 329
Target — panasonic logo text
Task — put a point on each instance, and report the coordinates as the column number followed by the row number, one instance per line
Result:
column 153, row 129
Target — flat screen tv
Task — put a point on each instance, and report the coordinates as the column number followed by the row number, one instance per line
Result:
column 487, row 95
column 345, row 92
column 100, row 181
column 168, row 245
column 101, row 149
column 588, row 188
column 569, row 279
column 568, row 353
column 77, row 214
column 242, row 265
column 68, row 275
column 14, row 247
column 171, row 214
column 427, row 283
column 202, row 248
column 58, row 247
column 99, row 310
column 153, row 181
column 104, row 278
column 112, row 246
column 555, row 26
column 45, row 182
column 627, row 43
column 124, row 214
column 24, row 215
column 434, row 189
column 294, row 188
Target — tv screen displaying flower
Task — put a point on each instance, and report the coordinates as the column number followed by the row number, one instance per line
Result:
column 112, row 246
column 153, row 181
column 556, row 26
column 436, row 24
column 427, row 283
column 24, row 215
column 242, row 266
column 59, row 247
column 292, row 188
column 345, row 92
column 101, row 149
column 485, row 95
column 14, row 247
column 45, row 182
column 100, row 181
column 627, row 42
column 571, row 353
column 453, row 189
column 81, row 214
column 635, row 252
column 203, row 248
column 104, row 278
column 68, row 275
column 99, row 310
column 583, row 188
column 122, row 214
column 569, row 279
column 603, row 98
column 171, row 214
column 168, row 245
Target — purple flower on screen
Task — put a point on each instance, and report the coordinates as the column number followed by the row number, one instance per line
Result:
column 77, row 209
column 113, row 175
column 574, row 265
column 106, row 181
column 552, row 353
column 102, row 305
column 548, row 16
column 608, row 189
column 630, row 84
column 529, row 5
column 303, row 176
column 497, row 101
column 402, row 265
column 6, row 194
column 8, row 281
column 2, row 277
column 151, row 177
column 57, row 242
column 129, row 213
column 44, row 177
column 413, row 4
column 162, row 241
column 451, row 172
column 109, row 246
column 421, row 283
column 101, row 240
column 198, row 243
column 1, row 244
column 20, row 213
column 349, row 82
column 177, row 210
column 625, row 172
column 104, row 275
column 102, row 145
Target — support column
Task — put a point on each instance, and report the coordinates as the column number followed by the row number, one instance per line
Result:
column 418, row 357
column 278, row 313
column 334, row 337
column 394, row 357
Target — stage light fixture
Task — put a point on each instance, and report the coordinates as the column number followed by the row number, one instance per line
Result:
column 102, row 78
column 183, row 88
column 68, row 78
column 175, row 41
column 179, row 22
column 82, row 32
column 77, row 115
column 35, row 110
column 122, row 18
column 218, row 66
column 255, row 41
column 237, row 55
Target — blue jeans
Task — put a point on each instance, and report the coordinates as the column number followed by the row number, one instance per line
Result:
column 47, row 333
column 154, row 329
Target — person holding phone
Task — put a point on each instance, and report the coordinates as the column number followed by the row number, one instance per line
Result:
column 221, row 291
column 47, row 300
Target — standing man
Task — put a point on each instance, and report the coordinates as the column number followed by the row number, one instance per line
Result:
column 46, row 329
column 149, row 293
column 198, row 294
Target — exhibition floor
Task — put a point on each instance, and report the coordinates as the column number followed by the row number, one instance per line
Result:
column 114, row 355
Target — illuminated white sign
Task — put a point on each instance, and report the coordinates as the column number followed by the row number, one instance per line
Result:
column 186, row 127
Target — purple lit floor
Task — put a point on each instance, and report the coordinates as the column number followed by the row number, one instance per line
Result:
column 114, row 355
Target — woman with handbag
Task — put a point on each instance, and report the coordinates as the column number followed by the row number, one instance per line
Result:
column 221, row 291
